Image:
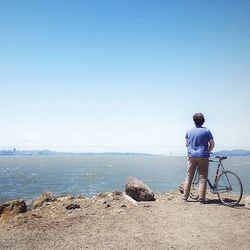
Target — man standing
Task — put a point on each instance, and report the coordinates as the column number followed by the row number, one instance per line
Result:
column 199, row 143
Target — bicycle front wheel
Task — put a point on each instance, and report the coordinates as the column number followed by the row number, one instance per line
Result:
column 229, row 188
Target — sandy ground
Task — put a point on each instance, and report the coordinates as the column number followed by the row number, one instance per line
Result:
column 111, row 222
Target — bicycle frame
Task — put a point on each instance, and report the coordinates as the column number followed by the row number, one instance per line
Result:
column 213, row 187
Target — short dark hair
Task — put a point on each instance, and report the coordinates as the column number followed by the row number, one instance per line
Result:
column 198, row 119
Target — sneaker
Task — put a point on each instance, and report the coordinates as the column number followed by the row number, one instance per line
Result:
column 184, row 199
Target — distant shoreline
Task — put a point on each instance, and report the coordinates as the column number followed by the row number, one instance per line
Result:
column 57, row 153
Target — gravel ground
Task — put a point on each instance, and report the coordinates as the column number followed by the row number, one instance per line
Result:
column 109, row 222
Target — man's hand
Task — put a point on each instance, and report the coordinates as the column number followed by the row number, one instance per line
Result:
column 211, row 145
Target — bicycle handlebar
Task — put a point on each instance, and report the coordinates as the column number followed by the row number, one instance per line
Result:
column 220, row 158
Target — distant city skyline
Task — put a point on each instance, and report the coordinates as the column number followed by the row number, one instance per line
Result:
column 123, row 76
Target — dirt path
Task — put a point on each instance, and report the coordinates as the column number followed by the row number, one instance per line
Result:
column 114, row 223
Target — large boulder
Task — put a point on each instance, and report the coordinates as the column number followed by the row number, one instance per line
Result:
column 12, row 208
column 44, row 198
column 138, row 190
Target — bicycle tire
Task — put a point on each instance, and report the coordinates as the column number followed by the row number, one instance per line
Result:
column 229, row 188
column 194, row 191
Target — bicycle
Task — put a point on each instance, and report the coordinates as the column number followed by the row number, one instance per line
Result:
column 227, row 185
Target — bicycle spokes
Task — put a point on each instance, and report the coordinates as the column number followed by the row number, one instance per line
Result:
column 229, row 188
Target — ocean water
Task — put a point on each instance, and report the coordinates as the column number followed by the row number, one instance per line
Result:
column 27, row 177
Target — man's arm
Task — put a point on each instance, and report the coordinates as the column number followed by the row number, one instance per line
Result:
column 187, row 142
column 211, row 145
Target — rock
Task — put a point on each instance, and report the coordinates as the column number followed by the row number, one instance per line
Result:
column 45, row 197
column 102, row 195
column 12, row 208
column 107, row 203
column 80, row 197
column 115, row 195
column 72, row 206
column 129, row 199
column 181, row 187
column 138, row 190
column 65, row 198
column 68, row 197
column 247, row 202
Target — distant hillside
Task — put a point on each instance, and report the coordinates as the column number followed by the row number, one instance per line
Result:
column 234, row 152
column 45, row 152
column 28, row 152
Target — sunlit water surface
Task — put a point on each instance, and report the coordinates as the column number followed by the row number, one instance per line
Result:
column 27, row 177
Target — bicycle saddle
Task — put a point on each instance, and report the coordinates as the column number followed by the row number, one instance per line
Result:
column 221, row 158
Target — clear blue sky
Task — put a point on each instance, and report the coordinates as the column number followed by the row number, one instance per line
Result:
column 113, row 75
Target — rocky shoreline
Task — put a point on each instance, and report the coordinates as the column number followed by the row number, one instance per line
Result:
column 116, row 221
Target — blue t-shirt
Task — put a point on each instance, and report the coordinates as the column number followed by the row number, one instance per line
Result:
column 198, row 138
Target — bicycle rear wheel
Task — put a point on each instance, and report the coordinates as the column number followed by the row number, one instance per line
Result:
column 229, row 188
column 194, row 194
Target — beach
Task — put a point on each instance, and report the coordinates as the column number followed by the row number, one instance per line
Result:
column 108, row 221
